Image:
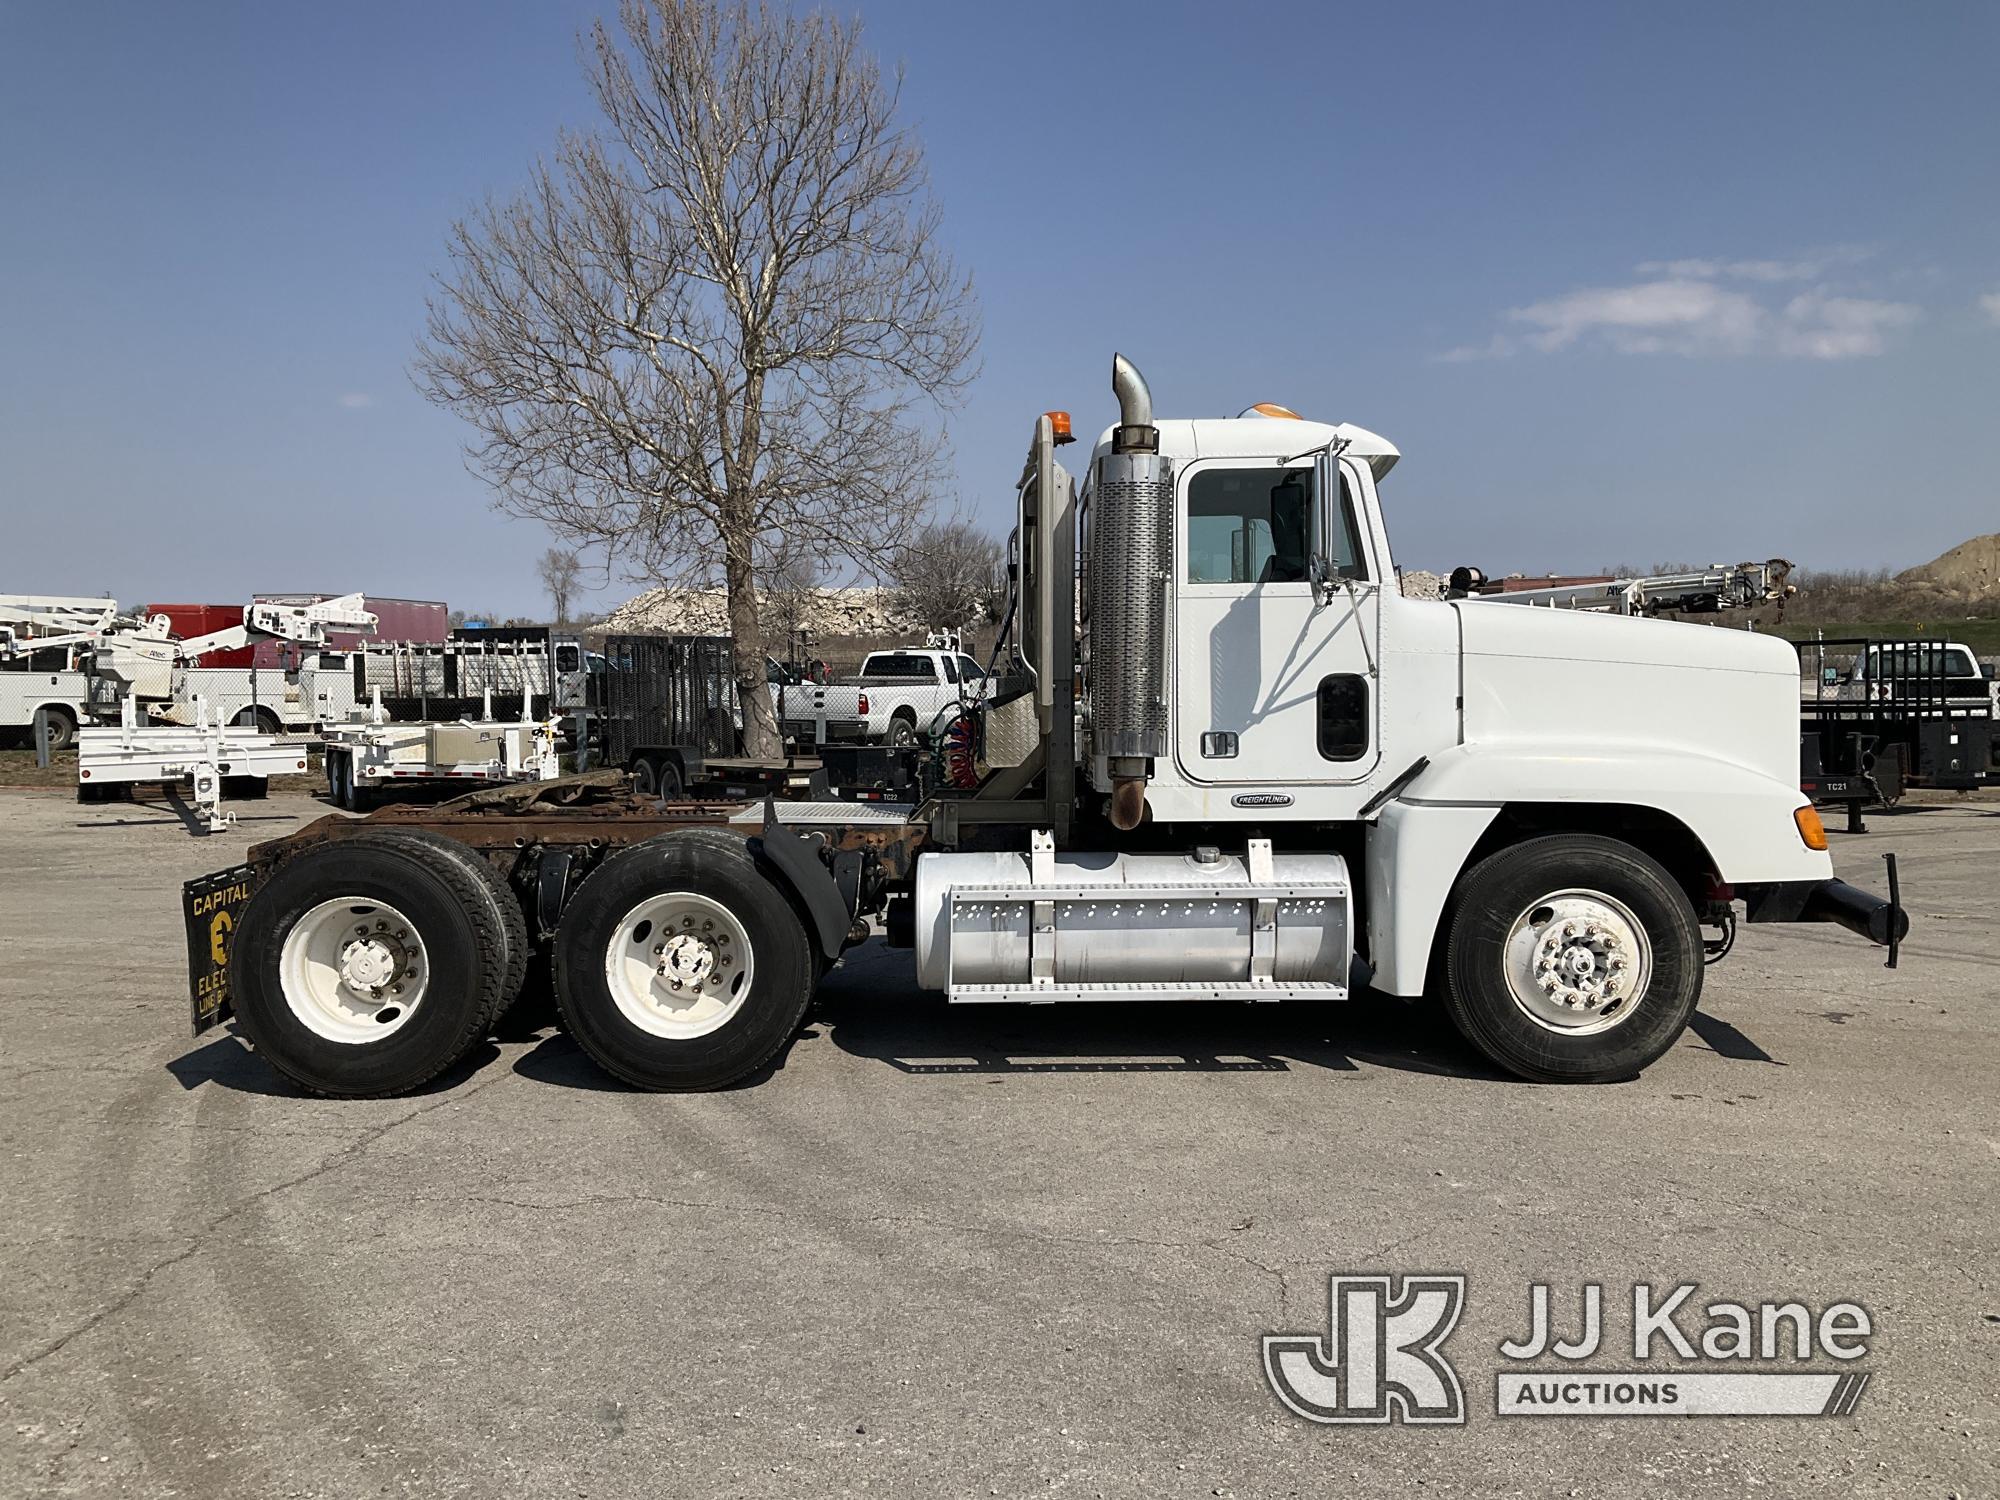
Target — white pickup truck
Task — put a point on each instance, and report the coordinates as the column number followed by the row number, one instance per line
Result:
column 1876, row 671
column 896, row 697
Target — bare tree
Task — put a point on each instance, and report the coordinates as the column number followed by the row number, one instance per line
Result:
column 789, row 589
column 559, row 571
column 707, row 336
column 950, row 575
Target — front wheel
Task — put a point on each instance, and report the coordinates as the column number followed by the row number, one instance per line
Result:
column 1572, row 959
column 681, row 965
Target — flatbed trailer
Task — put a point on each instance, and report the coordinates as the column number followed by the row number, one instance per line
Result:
column 369, row 759
column 214, row 760
column 1866, row 735
column 1237, row 764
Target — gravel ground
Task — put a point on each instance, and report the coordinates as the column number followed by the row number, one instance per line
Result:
column 973, row 1252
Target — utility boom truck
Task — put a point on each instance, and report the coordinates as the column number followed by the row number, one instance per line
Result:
column 1241, row 767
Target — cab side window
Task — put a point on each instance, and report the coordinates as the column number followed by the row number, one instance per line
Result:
column 1251, row 526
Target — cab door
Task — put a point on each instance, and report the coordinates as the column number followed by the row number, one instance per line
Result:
column 1274, row 670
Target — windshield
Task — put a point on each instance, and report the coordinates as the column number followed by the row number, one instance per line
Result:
column 1925, row 661
column 899, row 664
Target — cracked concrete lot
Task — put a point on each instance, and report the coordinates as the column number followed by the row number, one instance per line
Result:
column 974, row 1252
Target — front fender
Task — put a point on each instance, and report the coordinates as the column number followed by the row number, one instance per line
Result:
column 1743, row 818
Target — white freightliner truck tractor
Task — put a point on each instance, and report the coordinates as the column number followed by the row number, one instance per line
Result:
column 1241, row 766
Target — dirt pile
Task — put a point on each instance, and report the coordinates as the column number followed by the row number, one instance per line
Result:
column 1971, row 568
column 822, row 611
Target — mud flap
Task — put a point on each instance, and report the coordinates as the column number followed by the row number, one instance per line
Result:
column 211, row 906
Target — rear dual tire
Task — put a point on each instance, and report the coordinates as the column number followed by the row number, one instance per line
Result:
column 681, row 965
column 367, row 966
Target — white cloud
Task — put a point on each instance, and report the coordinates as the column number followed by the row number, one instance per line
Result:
column 1806, row 268
column 1989, row 303
column 1696, row 316
column 1497, row 347
column 355, row 400
column 1816, row 326
column 1653, row 317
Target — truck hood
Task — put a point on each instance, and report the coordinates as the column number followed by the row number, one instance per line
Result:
column 1594, row 680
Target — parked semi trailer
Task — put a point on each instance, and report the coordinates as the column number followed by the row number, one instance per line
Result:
column 1248, row 769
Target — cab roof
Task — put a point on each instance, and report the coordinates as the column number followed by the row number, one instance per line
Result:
column 1265, row 437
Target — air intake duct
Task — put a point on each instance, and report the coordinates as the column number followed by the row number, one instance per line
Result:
column 1131, row 569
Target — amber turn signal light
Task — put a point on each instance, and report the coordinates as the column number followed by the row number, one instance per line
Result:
column 1810, row 828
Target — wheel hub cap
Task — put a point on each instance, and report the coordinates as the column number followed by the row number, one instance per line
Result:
column 688, row 960
column 372, row 962
column 353, row 970
column 679, row 965
column 1577, row 962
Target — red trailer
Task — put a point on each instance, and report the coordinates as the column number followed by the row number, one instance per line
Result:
column 418, row 620
column 191, row 620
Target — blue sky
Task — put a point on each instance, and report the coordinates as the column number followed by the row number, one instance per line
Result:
column 1624, row 284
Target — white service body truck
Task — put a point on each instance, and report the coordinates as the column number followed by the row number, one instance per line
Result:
column 1241, row 767
column 60, row 699
column 41, row 679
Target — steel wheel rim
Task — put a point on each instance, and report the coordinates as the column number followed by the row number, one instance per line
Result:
column 354, row 970
column 1578, row 962
column 679, row 965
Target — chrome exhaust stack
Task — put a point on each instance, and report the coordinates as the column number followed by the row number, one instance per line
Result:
column 1131, row 572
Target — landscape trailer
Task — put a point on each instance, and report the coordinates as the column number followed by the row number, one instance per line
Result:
column 1246, row 768
column 670, row 715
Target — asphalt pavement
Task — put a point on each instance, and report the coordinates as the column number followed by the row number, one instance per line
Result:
column 964, row 1252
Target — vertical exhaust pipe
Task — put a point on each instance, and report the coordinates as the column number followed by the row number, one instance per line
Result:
column 1135, row 432
column 1130, row 573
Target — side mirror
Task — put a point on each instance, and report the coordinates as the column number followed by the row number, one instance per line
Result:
column 1326, row 486
column 1988, row 670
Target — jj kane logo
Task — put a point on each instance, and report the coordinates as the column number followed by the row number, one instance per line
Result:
column 1382, row 1357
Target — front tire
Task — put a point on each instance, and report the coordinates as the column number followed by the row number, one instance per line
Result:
column 1572, row 958
column 367, row 966
column 681, row 965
